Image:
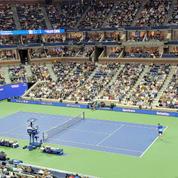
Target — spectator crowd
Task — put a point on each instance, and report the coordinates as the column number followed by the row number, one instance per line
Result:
column 31, row 16
column 8, row 55
column 144, row 94
column 123, row 14
column 134, row 85
column 40, row 73
column 92, row 88
column 68, row 81
column 66, row 15
column 169, row 98
column 124, row 82
column 11, row 168
column 93, row 14
column 6, row 17
column 2, row 79
column 85, row 82
column 154, row 13
column 17, row 74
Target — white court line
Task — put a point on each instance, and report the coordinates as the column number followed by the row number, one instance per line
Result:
column 109, row 135
column 106, row 133
column 151, row 144
column 86, row 131
column 99, row 146
column 151, row 127
column 11, row 130
column 145, row 127
column 127, row 125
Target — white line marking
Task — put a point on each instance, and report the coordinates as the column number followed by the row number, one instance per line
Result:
column 99, row 146
column 86, row 131
column 109, row 135
column 90, row 149
column 141, row 126
column 151, row 144
column 11, row 130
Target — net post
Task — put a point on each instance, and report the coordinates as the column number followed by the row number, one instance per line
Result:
column 43, row 137
column 83, row 115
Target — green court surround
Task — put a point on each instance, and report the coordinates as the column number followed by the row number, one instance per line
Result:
column 160, row 161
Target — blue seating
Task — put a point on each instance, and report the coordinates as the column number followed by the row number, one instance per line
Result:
column 169, row 55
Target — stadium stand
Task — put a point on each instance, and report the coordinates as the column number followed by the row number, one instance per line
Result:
column 6, row 17
column 40, row 73
column 104, row 82
column 66, row 14
column 61, row 51
column 148, row 88
column 123, row 83
column 142, row 53
column 9, row 40
column 155, row 36
column 62, row 70
column 154, row 13
column 174, row 17
column 96, row 15
column 53, row 38
column 125, row 31
column 2, row 79
column 115, row 53
column 30, row 39
column 8, row 55
column 170, row 55
column 37, row 53
column 17, row 74
column 123, row 14
column 18, row 169
column 61, row 90
column 169, row 96
column 31, row 16
column 85, row 15
column 91, row 88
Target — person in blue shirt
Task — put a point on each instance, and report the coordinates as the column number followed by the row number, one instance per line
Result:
column 160, row 129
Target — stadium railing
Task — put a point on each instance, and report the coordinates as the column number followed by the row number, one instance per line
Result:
column 59, row 171
column 108, row 102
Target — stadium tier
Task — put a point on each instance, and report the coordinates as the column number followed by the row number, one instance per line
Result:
column 141, row 85
column 17, row 169
column 120, row 52
column 87, row 14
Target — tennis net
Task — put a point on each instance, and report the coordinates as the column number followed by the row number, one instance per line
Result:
column 58, row 129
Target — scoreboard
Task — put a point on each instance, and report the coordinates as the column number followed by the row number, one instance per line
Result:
column 32, row 32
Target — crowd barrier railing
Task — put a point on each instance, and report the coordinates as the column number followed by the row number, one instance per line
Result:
column 84, row 105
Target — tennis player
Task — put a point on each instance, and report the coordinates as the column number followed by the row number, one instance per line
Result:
column 160, row 129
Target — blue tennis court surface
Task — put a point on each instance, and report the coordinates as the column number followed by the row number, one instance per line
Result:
column 116, row 137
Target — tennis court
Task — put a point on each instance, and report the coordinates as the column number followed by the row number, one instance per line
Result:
column 101, row 135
